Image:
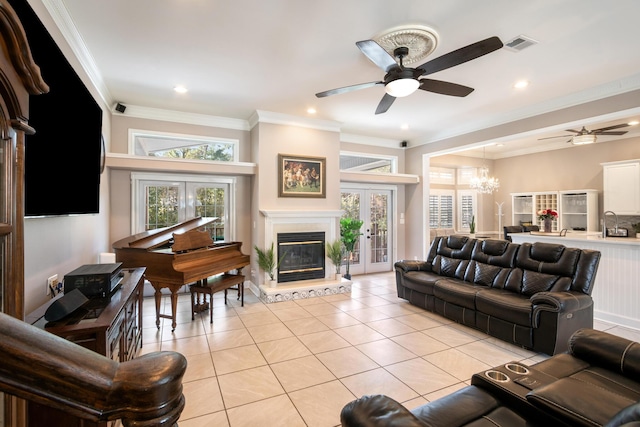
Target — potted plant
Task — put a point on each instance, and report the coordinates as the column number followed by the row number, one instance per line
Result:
column 267, row 262
column 349, row 234
column 335, row 253
column 472, row 226
column 636, row 228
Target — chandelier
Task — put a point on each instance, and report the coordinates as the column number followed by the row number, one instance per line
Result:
column 484, row 183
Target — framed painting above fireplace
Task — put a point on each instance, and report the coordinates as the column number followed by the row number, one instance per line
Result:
column 300, row 176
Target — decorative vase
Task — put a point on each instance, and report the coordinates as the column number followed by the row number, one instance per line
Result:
column 547, row 225
column 338, row 277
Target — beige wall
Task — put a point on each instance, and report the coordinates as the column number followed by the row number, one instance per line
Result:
column 120, row 194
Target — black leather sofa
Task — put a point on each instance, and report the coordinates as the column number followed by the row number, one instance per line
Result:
column 534, row 295
column 596, row 383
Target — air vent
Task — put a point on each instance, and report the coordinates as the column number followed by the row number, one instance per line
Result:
column 519, row 43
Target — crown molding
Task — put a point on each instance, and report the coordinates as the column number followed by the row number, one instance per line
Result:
column 182, row 117
column 63, row 21
column 261, row 116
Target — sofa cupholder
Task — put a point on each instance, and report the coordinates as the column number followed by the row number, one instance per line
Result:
column 498, row 376
column 516, row 368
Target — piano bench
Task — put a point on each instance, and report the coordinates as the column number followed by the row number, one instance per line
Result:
column 212, row 285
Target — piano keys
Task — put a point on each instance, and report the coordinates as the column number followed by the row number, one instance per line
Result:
column 178, row 255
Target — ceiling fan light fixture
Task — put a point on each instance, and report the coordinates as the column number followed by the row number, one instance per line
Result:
column 402, row 87
column 583, row 139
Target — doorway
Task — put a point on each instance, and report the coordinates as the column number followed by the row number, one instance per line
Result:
column 373, row 253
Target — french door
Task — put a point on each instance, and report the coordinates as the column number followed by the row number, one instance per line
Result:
column 161, row 203
column 374, row 206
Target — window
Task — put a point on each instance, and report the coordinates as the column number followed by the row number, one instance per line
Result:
column 165, row 200
column 441, row 209
column 467, row 208
column 361, row 162
column 178, row 146
column 442, row 176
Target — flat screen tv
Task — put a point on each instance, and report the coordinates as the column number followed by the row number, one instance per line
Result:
column 63, row 159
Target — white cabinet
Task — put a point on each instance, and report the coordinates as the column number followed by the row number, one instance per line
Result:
column 526, row 205
column 621, row 187
column 522, row 209
column 579, row 210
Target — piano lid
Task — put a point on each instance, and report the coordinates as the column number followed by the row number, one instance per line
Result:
column 158, row 237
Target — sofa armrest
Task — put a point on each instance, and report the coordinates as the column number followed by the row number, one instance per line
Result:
column 559, row 302
column 578, row 403
column 412, row 265
column 609, row 351
column 377, row 411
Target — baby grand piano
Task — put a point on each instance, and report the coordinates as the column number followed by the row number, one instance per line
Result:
column 178, row 255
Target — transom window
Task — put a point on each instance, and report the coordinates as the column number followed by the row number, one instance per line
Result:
column 361, row 162
column 181, row 146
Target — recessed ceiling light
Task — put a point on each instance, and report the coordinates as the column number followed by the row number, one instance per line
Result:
column 311, row 110
column 180, row 89
column 633, row 123
column 521, row 84
column 404, row 126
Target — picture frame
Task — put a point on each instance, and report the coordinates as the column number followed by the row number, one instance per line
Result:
column 301, row 176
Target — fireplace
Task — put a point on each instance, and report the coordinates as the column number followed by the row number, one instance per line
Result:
column 302, row 255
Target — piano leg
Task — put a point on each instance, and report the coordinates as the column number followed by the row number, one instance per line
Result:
column 174, row 288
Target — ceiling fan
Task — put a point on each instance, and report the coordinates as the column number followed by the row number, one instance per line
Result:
column 584, row 136
column 402, row 81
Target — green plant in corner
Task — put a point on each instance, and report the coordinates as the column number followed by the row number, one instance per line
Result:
column 636, row 227
column 267, row 260
column 350, row 234
column 472, row 225
column 335, row 253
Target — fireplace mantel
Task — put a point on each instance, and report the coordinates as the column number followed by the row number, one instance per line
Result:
column 301, row 214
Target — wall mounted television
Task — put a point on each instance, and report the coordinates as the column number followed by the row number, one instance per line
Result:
column 63, row 159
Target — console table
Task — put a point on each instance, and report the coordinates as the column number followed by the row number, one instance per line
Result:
column 110, row 326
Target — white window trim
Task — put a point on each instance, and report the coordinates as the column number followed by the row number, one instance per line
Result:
column 133, row 133
column 138, row 177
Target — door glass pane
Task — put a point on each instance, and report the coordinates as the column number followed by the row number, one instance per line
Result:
column 161, row 206
column 350, row 204
column 210, row 203
column 379, row 233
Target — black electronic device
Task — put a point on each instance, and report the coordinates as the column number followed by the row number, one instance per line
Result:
column 94, row 280
column 65, row 305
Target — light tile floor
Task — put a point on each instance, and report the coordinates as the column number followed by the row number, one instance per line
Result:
column 297, row 363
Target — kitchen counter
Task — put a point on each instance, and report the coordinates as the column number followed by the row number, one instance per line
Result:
column 616, row 291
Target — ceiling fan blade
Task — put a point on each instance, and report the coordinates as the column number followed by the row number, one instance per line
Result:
column 377, row 54
column 573, row 130
column 551, row 137
column 444, row 88
column 618, row 132
column 461, row 55
column 385, row 103
column 624, row 125
column 347, row 89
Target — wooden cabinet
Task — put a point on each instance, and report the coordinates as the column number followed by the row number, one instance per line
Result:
column 621, row 187
column 579, row 210
column 110, row 326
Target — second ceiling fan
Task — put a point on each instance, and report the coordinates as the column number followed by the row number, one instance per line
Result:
column 401, row 81
column 584, row 136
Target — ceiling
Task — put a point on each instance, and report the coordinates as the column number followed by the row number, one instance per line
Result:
column 238, row 57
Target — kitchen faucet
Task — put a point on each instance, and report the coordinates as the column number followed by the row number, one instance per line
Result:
column 604, row 223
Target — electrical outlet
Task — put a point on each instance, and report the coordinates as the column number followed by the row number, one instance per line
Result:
column 52, row 285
